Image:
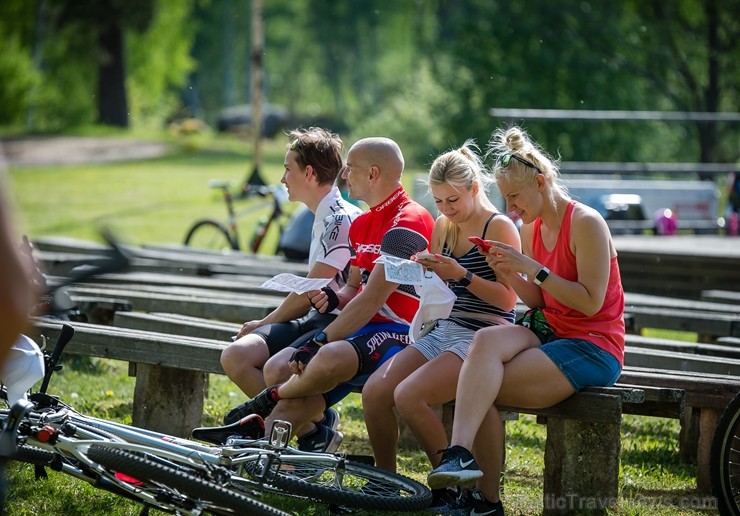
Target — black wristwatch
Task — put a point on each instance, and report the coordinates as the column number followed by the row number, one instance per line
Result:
column 541, row 275
column 320, row 338
column 465, row 280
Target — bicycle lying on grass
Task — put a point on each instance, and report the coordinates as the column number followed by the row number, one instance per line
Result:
column 223, row 235
column 221, row 470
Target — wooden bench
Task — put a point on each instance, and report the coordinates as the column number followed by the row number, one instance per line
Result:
column 678, row 266
column 583, row 439
column 709, row 320
column 225, row 306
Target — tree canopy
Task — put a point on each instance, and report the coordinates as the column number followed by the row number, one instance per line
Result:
column 424, row 72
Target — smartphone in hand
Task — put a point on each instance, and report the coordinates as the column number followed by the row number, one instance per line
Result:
column 480, row 243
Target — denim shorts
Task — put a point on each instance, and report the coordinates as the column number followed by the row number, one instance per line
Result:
column 583, row 363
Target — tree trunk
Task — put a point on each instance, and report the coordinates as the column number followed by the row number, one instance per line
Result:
column 112, row 102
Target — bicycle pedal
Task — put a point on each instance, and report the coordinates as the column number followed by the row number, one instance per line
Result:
column 280, row 434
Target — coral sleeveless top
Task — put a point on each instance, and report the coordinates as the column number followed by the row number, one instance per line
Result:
column 606, row 328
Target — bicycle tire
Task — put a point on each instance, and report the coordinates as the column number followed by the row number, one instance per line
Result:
column 210, row 234
column 36, row 456
column 219, row 499
column 725, row 460
column 345, row 483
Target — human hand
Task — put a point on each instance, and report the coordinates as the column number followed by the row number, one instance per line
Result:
column 324, row 300
column 302, row 356
column 445, row 267
column 248, row 327
column 507, row 260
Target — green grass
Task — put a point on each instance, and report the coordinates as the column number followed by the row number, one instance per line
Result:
column 155, row 201
column 148, row 201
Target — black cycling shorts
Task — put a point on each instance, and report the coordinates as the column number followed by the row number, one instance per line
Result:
column 279, row 336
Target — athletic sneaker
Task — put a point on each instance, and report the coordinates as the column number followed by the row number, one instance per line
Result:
column 458, row 467
column 261, row 404
column 331, row 419
column 474, row 503
column 445, row 501
column 321, row 440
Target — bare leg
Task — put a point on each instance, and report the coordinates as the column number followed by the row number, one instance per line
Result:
column 377, row 402
column 276, row 369
column 431, row 385
column 488, row 450
column 243, row 361
column 334, row 363
column 299, row 412
column 482, row 374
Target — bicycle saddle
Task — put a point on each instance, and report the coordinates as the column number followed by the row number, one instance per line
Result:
column 251, row 427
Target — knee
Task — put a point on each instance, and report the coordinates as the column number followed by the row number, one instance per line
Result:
column 405, row 399
column 230, row 358
column 276, row 371
column 333, row 363
column 376, row 393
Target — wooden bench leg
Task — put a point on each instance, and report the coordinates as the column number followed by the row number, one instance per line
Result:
column 168, row 400
column 581, row 467
column 707, row 426
column 688, row 437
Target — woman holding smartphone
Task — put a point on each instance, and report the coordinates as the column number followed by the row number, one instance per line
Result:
column 425, row 373
column 573, row 336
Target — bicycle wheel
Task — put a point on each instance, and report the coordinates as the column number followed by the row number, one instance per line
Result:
column 210, row 234
column 725, row 460
column 198, row 491
column 340, row 481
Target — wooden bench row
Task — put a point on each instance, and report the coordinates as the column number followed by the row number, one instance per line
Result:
column 679, row 266
column 240, row 298
column 170, row 373
column 583, row 432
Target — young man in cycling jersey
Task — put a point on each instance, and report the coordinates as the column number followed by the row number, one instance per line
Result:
column 374, row 322
column 312, row 163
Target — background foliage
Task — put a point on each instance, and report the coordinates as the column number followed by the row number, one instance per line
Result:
column 423, row 72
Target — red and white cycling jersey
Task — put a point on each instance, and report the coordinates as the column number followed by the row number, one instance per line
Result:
column 400, row 227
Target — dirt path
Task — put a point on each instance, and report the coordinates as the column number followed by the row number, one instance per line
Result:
column 73, row 150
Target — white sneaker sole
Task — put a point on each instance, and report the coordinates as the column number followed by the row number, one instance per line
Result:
column 462, row 478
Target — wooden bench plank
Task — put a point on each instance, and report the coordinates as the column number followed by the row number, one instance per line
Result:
column 721, row 348
column 671, row 360
column 176, row 324
column 721, row 296
column 232, row 308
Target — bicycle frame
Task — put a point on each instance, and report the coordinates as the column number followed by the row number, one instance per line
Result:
column 277, row 197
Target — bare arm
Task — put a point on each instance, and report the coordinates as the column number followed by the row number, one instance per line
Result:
column 591, row 244
column 358, row 312
column 17, row 295
column 496, row 293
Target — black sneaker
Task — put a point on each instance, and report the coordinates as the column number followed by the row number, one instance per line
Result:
column 458, row 467
column 331, row 419
column 321, row 440
column 474, row 503
column 262, row 404
column 445, row 501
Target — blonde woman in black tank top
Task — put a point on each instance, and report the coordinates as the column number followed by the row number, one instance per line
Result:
column 424, row 374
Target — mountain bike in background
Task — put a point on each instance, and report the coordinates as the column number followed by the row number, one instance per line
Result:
column 225, row 235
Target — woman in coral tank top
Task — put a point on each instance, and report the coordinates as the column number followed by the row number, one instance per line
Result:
column 571, row 338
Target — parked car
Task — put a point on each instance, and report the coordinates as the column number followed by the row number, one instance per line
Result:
column 239, row 118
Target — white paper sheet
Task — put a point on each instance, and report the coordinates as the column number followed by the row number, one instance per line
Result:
column 287, row 282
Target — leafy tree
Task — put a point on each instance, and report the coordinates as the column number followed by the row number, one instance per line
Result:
column 106, row 21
